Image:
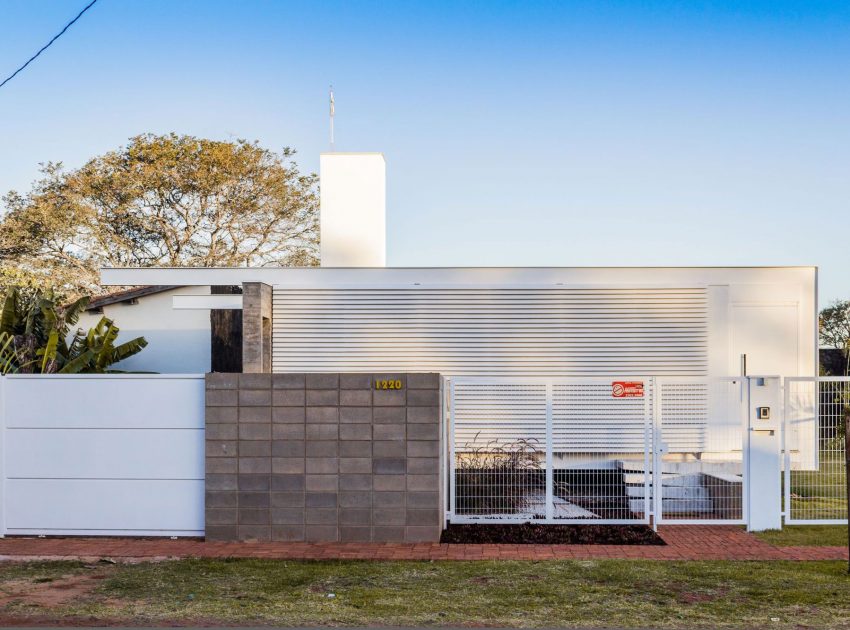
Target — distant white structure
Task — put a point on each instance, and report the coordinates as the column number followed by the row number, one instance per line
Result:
column 353, row 210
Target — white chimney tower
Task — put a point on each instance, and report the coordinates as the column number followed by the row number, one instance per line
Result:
column 353, row 210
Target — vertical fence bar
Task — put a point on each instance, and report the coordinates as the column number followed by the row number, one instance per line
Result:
column 452, row 458
column 550, row 456
column 657, row 468
column 648, row 445
column 786, row 452
column 847, row 480
column 744, row 419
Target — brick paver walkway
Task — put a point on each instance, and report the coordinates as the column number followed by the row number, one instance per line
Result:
column 684, row 542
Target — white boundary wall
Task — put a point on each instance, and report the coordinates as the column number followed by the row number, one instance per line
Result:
column 102, row 455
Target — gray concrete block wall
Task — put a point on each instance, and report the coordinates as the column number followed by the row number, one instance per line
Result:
column 323, row 457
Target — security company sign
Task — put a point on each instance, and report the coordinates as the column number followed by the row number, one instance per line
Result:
column 627, row 389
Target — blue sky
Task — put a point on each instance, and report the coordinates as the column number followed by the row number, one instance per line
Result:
column 549, row 133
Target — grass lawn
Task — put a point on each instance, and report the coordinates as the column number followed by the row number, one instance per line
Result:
column 821, row 493
column 807, row 536
column 606, row 593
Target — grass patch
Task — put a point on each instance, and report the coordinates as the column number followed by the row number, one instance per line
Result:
column 806, row 536
column 821, row 493
column 620, row 593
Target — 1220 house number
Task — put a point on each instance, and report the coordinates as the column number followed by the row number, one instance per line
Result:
column 388, row 384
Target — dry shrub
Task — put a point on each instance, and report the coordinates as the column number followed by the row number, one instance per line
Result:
column 497, row 477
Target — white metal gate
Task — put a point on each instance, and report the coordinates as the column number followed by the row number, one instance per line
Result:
column 574, row 451
column 549, row 451
column 815, row 481
column 700, row 456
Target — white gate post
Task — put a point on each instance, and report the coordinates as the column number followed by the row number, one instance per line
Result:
column 786, row 452
column 763, row 444
column 450, row 430
column 650, row 460
column 659, row 447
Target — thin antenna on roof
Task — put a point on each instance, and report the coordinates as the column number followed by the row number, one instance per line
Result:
column 332, row 116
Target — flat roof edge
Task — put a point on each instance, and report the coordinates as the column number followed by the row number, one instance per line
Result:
column 201, row 276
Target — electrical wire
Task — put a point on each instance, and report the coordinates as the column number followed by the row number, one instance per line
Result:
column 47, row 45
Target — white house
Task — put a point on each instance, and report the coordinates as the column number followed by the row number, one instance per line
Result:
column 355, row 314
column 628, row 383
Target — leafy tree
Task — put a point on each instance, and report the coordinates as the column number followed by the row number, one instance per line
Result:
column 35, row 333
column 159, row 201
column 834, row 326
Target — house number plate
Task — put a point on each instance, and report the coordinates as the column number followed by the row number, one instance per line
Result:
column 388, row 384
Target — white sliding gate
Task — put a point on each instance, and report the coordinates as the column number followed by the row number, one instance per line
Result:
column 596, row 450
column 102, row 455
column 814, row 442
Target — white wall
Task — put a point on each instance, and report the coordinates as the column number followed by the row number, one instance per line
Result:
column 102, row 455
column 740, row 300
column 353, row 210
column 178, row 340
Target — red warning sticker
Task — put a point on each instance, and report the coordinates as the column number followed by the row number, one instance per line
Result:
column 627, row 389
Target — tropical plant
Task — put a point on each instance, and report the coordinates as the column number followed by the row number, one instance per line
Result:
column 35, row 337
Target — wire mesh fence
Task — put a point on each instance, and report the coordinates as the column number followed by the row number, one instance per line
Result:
column 700, row 469
column 597, row 450
column 602, row 449
column 499, row 450
column 816, row 412
column 554, row 451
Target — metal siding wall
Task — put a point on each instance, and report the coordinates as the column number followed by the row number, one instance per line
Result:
column 493, row 331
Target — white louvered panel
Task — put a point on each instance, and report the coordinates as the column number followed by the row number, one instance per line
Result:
column 586, row 418
column 491, row 414
column 491, row 331
column 684, row 415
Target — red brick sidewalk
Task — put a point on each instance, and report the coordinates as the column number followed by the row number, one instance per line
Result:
column 684, row 542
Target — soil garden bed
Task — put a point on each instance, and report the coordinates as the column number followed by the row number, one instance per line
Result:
column 533, row 534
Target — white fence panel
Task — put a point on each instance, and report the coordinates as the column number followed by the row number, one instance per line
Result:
column 140, row 401
column 103, row 454
column 814, row 442
column 700, row 476
column 549, row 451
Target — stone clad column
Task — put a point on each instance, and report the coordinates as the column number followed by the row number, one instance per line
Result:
column 256, row 327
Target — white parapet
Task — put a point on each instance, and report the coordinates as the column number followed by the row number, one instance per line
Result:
column 353, row 210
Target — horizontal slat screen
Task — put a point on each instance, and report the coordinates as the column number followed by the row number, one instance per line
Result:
column 491, row 331
column 586, row 418
column 497, row 415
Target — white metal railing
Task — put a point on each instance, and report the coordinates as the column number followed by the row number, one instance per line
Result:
column 700, row 458
column 573, row 451
column 814, row 424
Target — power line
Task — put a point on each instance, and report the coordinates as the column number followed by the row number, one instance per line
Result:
column 47, row 45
